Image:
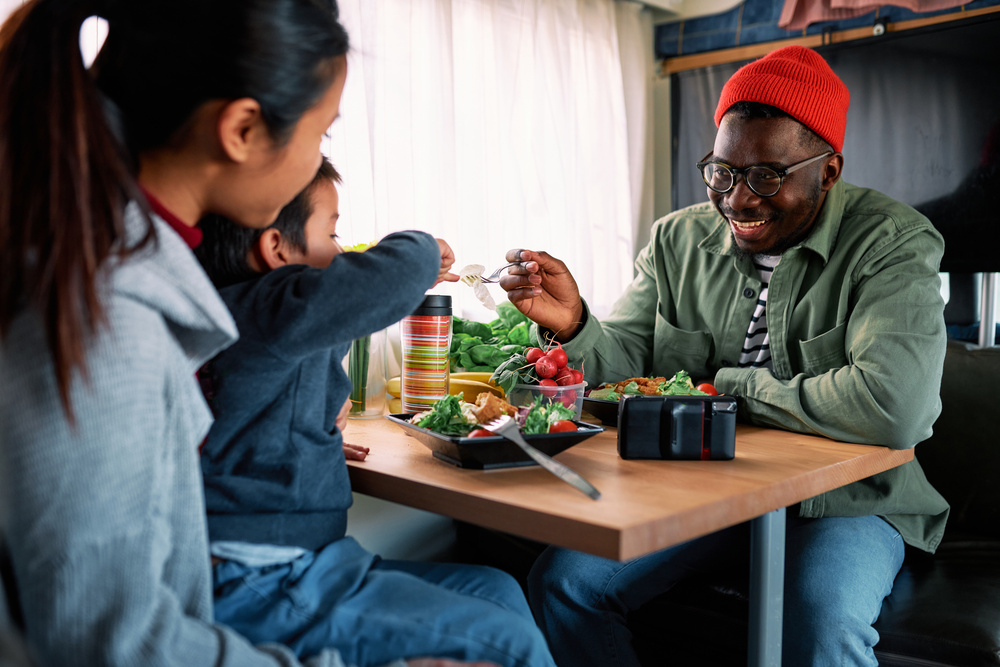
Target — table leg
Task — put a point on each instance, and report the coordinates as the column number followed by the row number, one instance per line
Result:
column 767, row 588
column 987, row 311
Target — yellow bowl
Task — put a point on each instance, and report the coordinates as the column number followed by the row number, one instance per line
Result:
column 393, row 388
column 469, row 389
column 475, row 377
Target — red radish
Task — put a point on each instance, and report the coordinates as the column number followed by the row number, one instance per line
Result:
column 577, row 376
column 545, row 367
column 559, row 356
column 533, row 354
column 564, row 377
column 549, row 391
column 568, row 398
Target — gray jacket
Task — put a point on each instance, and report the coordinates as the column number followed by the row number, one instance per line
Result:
column 106, row 522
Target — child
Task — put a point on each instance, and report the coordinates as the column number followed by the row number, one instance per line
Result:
column 276, row 483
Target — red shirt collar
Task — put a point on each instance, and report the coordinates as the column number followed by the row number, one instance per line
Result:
column 191, row 235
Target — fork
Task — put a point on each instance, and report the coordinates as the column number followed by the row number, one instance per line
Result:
column 507, row 427
column 495, row 276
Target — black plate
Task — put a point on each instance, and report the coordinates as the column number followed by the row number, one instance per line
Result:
column 495, row 451
column 603, row 409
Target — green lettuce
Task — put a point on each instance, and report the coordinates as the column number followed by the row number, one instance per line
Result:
column 508, row 334
column 679, row 385
column 516, row 370
column 510, row 315
column 446, row 417
column 605, row 394
column 543, row 413
column 475, row 329
column 520, row 335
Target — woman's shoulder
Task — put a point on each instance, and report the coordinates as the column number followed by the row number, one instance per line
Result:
column 162, row 287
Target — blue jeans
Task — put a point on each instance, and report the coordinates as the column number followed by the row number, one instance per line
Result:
column 375, row 611
column 837, row 572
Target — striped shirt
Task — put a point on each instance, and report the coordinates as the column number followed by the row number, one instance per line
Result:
column 756, row 351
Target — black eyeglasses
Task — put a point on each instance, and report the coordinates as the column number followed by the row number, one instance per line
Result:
column 764, row 181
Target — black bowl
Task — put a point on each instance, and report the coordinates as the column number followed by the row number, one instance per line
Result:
column 603, row 409
column 495, row 451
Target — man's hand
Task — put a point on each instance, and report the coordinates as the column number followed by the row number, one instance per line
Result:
column 447, row 261
column 544, row 290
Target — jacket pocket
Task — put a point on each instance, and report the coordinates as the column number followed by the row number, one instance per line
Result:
column 824, row 352
column 679, row 349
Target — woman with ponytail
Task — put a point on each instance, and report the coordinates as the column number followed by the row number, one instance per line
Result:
column 191, row 107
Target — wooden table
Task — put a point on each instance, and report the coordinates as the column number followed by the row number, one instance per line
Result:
column 645, row 505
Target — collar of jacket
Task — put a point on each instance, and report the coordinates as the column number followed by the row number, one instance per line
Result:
column 820, row 240
column 165, row 276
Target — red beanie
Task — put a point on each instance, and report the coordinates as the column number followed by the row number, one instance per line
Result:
column 799, row 82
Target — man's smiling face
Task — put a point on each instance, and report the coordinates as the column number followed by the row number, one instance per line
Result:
column 771, row 225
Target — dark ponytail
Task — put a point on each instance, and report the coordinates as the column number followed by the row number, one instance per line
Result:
column 64, row 175
column 174, row 55
column 63, row 181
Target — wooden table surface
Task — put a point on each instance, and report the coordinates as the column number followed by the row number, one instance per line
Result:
column 645, row 505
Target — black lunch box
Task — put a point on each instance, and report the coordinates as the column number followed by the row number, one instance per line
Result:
column 677, row 427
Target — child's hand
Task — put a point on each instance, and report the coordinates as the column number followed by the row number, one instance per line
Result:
column 351, row 452
column 447, row 260
column 355, row 452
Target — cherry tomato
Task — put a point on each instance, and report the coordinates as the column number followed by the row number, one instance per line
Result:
column 545, row 367
column 562, row 426
column 707, row 388
column 479, row 433
column 533, row 354
column 559, row 357
column 548, row 387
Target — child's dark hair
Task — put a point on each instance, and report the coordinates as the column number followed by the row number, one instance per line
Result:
column 225, row 246
column 66, row 172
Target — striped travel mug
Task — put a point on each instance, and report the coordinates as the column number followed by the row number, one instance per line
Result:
column 426, row 341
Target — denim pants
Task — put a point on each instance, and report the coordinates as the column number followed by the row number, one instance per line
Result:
column 375, row 611
column 837, row 572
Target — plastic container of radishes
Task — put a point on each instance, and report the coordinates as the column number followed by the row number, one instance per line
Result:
column 571, row 395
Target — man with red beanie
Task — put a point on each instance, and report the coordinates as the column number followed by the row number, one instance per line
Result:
column 816, row 303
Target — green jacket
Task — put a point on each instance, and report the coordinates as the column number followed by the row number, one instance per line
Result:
column 857, row 336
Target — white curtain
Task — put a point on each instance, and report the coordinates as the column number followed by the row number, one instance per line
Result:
column 7, row 6
column 497, row 124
